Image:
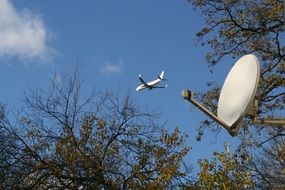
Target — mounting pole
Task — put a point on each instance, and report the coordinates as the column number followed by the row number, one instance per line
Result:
column 253, row 113
column 188, row 95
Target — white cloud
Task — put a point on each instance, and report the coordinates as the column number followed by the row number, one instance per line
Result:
column 112, row 68
column 22, row 33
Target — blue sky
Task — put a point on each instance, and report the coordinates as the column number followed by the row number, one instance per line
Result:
column 114, row 41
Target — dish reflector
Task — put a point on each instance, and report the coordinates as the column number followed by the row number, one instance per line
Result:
column 238, row 90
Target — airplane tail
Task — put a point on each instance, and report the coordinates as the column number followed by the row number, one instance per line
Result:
column 161, row 76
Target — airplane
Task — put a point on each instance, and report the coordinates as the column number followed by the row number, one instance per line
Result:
column 151, row 85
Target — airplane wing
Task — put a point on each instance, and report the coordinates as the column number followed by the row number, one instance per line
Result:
column 159, row 86
column 142, row 81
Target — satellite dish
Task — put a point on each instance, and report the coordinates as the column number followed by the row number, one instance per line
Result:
column 237, row 98
column 239, row 90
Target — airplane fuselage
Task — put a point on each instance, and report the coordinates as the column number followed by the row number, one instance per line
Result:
column 149, row 85
column 152, row 84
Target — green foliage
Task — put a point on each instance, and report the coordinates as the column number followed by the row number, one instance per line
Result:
column 234, row 28
column 239, row 27
column 102, row 142
column 225, row 171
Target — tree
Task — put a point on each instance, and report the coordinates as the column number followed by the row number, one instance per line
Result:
column 269, row 167
column 225, row 171
column 237, row 27
column 10, row 158
column 101, row 142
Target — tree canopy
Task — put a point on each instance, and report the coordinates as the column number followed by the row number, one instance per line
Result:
column 225, row 172
column 62, row 140
column 104, row 141
column 232, row 29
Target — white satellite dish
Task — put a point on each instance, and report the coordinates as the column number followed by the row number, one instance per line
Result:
column 239, row 90
column 237, row 98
